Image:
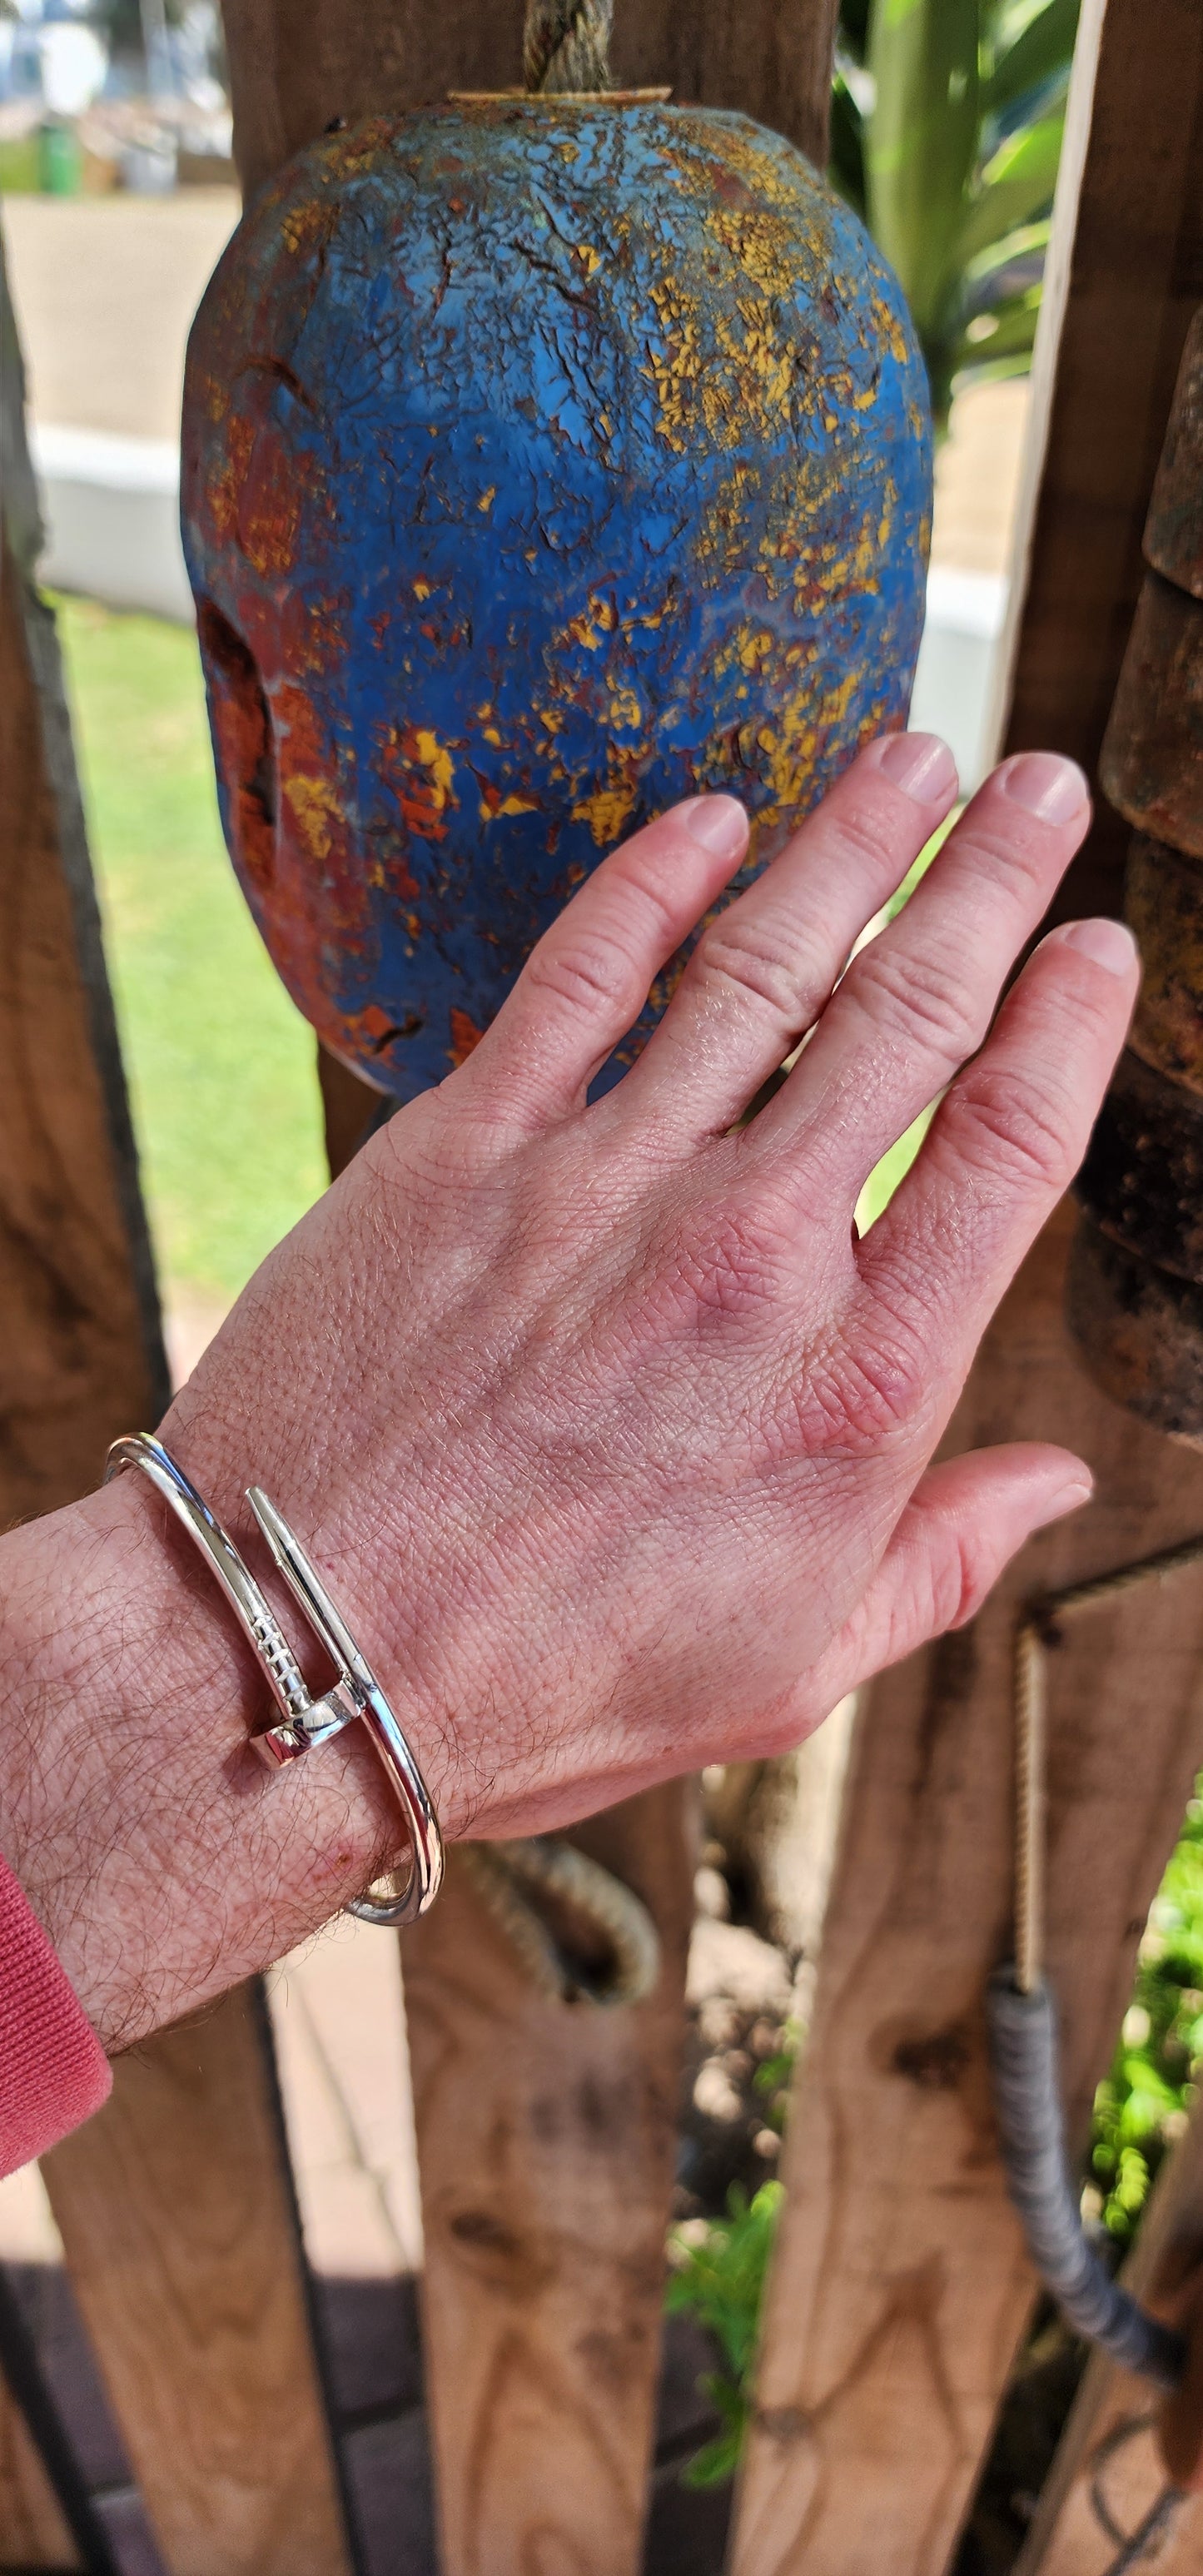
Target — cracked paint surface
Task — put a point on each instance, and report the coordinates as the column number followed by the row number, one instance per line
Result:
column 543, row 463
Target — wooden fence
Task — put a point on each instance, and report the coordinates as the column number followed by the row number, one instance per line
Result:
column 900, row 2289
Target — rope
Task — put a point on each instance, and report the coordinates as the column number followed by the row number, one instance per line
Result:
column 1022, row 2026
column 1037, row 1630
column 566, row 44
column 1031, row 2142
column 580, row 1934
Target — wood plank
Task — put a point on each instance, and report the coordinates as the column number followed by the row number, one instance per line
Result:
column 1066, row 2537
column 33, row 2532
column 294, row 65
column 546, row 2141
column 901, row 2287
column 190, row 2356
column 81, row 1352
column 546, row 2145
column 82, row 1356
column 183, row 2250
column 1125, row 277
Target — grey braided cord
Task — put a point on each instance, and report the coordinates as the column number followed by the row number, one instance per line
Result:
column 566, row 45
column 1031, row 2139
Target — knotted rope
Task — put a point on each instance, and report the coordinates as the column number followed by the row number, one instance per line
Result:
column 580, row 1934
column 566, row 45
column 1022, row 2026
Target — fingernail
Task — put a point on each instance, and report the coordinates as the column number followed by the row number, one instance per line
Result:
column 1069, row 1497
column 1045, row 785
column 921, row 764
column 1106, row 943
column 718, row 822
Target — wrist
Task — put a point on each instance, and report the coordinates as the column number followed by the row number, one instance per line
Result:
column 163, row 1861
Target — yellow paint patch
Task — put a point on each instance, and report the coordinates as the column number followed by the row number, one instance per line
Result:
column 588, row 629
column 487, row 499
column 625, row 710
column 492, row 806
column 490, row 734
column 435, row 757
column 589, row 257
column 315, row 807
column 605, row 812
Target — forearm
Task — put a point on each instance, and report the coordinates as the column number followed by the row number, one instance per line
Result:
column 163, row 1861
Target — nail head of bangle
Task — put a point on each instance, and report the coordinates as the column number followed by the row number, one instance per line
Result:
column 304, row 1723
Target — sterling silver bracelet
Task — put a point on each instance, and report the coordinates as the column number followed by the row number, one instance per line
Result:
column 304, row 1722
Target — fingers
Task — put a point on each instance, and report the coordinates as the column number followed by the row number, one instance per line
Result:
column 764, row 968
column 964, row 1523
column 1004, row 1143
column 586, row 982
column 919, row 999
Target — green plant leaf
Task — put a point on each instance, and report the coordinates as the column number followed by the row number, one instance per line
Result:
column 846, row 168
column 1012, row 336
column 1027, row 241
column 1042, row 53
column 921, row 143
column 1016, row 185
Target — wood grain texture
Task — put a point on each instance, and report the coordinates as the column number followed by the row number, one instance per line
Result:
column 294, row 65
column 546, row 2141
column 180, row 2236
column 546, row 2146
column 81, row 1356
column 1114, row 2407
column 200, row 2331
column 900, row 2286
column 33, row 2532
column 1125, row 276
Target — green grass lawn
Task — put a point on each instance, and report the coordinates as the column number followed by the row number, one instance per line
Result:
column 220, row 1065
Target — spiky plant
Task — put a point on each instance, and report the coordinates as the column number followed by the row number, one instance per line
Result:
column 946, row 134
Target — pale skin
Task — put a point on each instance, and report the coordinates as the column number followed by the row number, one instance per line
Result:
column 609, row 1437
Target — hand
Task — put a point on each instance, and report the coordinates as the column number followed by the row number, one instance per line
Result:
column 609, row 1436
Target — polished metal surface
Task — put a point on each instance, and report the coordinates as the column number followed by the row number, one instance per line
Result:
column 304, row 1722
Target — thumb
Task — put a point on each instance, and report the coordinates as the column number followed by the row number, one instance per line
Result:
column 965, row 1521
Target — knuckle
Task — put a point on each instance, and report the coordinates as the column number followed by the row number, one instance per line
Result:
column 859, row 1396
column 1008, row 1124
column 765, row 960
column 857, row 836
column 923, row 994
column 962, row 1573
column 591, row 975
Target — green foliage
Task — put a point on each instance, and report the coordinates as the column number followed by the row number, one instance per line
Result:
column 720, row 2264
column 220, row 1065
column 947, row 119
column 718, row 2276
column 1144, row 2103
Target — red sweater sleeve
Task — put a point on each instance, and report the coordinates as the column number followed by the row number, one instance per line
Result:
column 53, row 2070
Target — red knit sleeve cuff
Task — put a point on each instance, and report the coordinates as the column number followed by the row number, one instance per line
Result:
column 53, row 2070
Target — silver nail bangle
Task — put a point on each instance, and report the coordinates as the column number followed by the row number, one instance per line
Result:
column 304, row 1722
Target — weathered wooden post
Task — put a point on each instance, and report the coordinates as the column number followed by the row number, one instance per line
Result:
column 901, row 2287
column 228, row 2482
